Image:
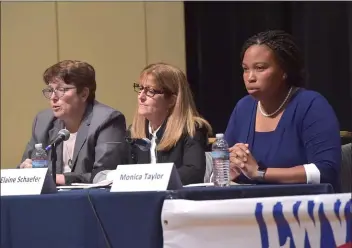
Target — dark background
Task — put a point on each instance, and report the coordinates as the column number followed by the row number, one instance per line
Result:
column 216, row 31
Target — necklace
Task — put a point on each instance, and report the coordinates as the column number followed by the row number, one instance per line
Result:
column 280, row 107
column 68, row 151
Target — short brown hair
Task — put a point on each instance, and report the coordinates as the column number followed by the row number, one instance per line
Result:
column 74, row 72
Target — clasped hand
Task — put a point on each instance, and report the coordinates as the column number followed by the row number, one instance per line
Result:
column 241, row 160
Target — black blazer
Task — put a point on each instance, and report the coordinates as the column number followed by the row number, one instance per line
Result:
column 188, row 155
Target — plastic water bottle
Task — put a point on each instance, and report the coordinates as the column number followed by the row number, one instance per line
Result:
column 39, row 157
column 221, row 161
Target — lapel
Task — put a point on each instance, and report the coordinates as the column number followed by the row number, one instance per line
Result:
column 52, row 133
column 82, row 133
column 159, row 133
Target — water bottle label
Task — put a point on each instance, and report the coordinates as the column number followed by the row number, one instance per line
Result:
column 220, row 155
column 39, row 164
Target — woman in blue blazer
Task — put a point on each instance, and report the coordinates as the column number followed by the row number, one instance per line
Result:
column 281, row 132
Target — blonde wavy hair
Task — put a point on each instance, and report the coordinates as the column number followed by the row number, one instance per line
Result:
column 183, row 117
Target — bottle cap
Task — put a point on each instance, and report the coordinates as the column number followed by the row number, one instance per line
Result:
column 37, row 146
column 219, row 135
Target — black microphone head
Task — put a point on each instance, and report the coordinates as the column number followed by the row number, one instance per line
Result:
column 64, row 133
column 144, row 144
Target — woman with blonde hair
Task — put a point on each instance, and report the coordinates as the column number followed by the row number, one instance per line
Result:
column 167, row 115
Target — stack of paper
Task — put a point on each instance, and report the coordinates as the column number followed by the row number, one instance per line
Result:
column 102, row 184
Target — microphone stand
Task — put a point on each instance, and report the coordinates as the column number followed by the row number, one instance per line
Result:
column 53, row 161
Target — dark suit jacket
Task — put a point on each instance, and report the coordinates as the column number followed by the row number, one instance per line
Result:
column 188, row 155
column 99, row 143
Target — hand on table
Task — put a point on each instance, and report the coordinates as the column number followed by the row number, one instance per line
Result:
column 26, row 164
column 241, row 159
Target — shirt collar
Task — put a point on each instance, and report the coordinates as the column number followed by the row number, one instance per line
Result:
column 150, row 130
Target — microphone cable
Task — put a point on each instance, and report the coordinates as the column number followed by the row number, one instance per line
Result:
column 106, row 239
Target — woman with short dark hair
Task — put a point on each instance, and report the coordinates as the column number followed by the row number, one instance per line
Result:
column 97, row 132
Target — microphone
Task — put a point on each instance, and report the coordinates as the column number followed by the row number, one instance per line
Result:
column 62, row 135
column 143, row 144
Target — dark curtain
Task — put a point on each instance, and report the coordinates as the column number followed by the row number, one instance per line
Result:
column 216, row 31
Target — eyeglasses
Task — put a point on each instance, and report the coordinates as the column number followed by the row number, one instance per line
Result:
column 147, row 90
column 59, row 92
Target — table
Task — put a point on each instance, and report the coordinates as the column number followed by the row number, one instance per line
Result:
column 67, row 219
column 252, row 191
column 96, row 218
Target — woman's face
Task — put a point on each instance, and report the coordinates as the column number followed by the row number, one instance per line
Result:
column 262, row 74
column 64, row 99
column 152, row 102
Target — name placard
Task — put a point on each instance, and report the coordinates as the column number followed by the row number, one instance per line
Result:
column 145, row 177
column 22, row 181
